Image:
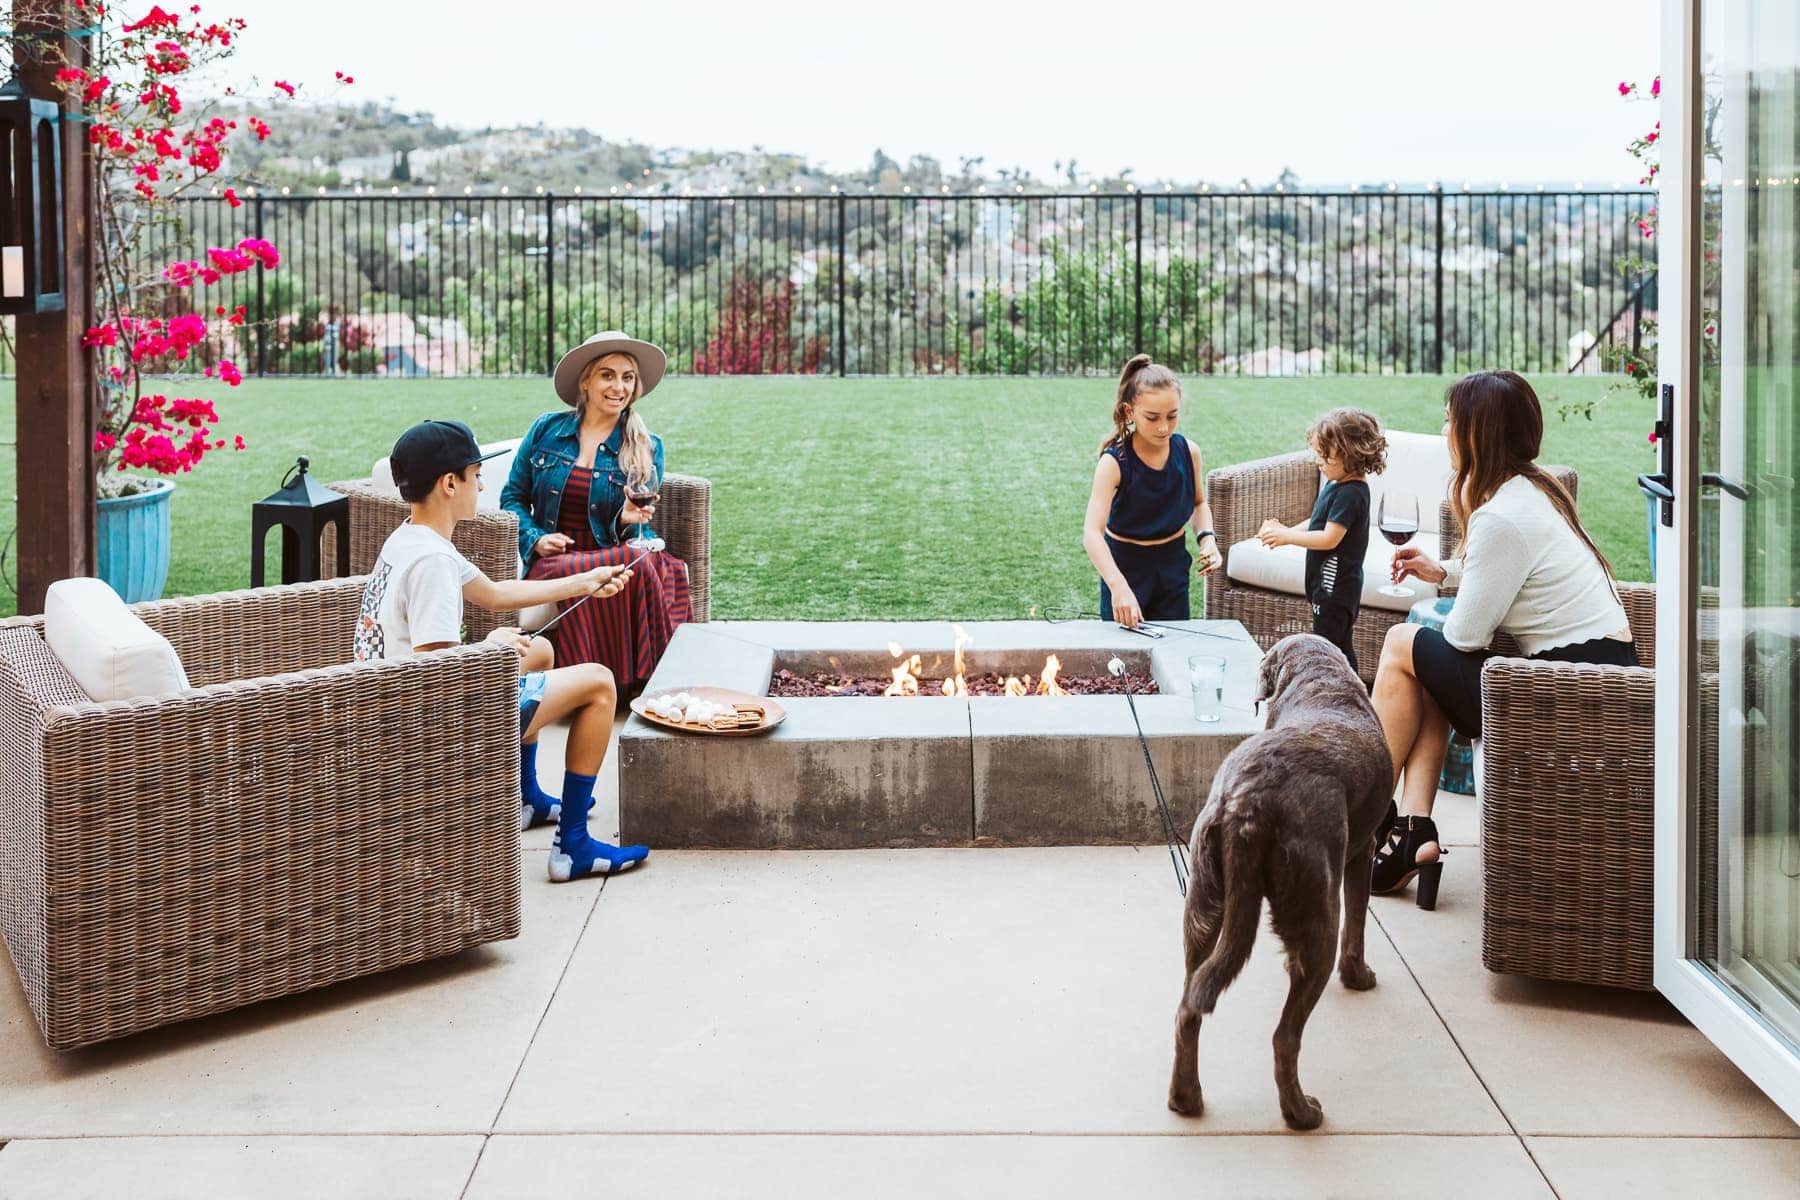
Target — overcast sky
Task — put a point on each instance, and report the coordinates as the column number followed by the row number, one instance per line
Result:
column 1339, row 90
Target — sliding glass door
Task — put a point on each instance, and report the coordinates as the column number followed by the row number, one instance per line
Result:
column 1728, row 853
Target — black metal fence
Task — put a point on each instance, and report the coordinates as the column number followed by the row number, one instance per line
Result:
column 909, row 284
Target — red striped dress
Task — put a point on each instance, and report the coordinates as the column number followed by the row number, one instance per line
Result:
column 626, row 633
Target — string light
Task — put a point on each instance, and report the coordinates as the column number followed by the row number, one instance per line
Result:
column 504, row 189
column 284, row 190
column 430, row 190
column 467, row 190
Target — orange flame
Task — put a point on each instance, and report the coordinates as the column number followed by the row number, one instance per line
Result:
column 1016, row 686
column 906, row 678
column 1047, row 686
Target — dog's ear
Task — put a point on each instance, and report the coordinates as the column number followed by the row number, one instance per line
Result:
column 1268, row 678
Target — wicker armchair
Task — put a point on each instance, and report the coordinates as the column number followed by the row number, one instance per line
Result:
column 169, row 857
column 491, row 540
column 1568, row 813
column 1285, row 487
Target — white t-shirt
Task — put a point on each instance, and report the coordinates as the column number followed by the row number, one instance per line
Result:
column 414, row 595
column 1524, row 571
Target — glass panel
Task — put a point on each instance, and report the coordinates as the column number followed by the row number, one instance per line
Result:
column 1747, row 810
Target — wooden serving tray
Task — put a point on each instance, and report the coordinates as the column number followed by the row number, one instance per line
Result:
column 773, row 713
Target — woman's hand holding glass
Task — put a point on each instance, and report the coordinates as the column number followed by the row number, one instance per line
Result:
column 1411, row 562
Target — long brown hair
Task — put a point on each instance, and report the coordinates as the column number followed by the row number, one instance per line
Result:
column 1496, row 430
column 637, row 455
column 1140, row 375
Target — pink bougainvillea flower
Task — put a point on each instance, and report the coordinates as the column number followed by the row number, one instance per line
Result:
column 231, row 198
column 285, row 86
column 96, row 89
column 156, row 18
column 71, row 75
column 343, row 78
column 228, row 371
column 1624, row 88
column 1656, row 86
column 104, row 441
column 101, row 335
column 239, row 441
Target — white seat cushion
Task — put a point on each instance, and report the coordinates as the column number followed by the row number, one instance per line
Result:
column 105, row 646
column 1283, row 569
column 493, row 475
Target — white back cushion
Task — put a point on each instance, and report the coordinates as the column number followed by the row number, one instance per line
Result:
column 1418, row 463
column 108, row 649
column 493, row 475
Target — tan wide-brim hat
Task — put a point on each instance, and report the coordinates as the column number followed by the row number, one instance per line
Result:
column 651, row 362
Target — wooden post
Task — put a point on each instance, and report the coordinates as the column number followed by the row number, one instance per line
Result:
column 56, row 391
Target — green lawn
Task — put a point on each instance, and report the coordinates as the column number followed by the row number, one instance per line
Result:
column 862, row 497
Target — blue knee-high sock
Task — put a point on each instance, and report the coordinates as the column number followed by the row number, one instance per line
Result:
column 542, row 806
column 577, row 853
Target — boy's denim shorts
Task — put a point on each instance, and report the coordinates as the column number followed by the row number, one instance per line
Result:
column 531, row 694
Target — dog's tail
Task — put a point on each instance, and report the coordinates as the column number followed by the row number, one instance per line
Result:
column 1238, row 858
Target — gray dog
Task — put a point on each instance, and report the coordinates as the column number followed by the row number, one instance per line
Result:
column 1292, row 816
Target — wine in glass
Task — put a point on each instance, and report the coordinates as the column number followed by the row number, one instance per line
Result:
column 1398, row 520
column 643, row 492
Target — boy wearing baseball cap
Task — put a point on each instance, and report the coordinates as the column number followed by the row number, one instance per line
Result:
column 413, row 604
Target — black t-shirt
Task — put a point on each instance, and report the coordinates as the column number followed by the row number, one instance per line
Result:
column 1335, row 577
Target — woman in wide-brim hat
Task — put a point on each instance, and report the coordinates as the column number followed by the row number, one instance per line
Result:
column 568, row 490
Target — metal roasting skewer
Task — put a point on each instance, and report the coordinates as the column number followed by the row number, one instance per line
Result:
column 1149, row 629
column 540, row 630
column 1162, row 805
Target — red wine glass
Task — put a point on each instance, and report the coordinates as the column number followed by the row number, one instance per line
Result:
column 1398, row 520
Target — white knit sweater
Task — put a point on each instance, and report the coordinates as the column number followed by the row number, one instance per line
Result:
column 1524, row 571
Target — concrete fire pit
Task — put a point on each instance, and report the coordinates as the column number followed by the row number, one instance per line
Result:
column 930, row 770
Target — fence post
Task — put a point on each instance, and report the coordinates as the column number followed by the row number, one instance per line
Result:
column 549, row 285
column 1437, row 287
column 1137, row 302
column 261, row 329
column 1637, row 321
column 841, row 355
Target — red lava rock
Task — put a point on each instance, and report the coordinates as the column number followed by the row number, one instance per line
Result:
column 826, row 685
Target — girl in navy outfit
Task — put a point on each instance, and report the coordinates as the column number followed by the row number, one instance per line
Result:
column 1147, row 488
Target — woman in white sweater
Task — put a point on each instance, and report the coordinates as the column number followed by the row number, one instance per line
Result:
column 1526, row 568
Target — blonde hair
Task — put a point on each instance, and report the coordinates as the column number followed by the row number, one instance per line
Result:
column 1353, row 437
column 1140, row 375
column 637, row 456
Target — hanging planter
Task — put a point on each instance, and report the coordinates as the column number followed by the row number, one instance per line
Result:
column 131, row 541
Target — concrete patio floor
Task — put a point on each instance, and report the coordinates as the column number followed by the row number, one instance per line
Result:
column 892, row 1023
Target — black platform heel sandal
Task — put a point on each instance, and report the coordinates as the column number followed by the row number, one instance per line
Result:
column 1396, row 861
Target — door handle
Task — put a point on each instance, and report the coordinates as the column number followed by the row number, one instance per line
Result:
column 1724, row 484
column 1656, row 487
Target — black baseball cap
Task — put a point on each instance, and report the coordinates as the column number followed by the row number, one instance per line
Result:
column 432, row 449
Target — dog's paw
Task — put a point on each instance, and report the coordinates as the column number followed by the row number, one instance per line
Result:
column 1188, row 1104
column 1310, row 1115
column 1358, row 976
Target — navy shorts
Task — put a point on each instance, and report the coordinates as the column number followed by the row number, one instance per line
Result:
column 1159, row 577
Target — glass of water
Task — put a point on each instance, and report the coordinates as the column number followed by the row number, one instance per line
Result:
column 1206, row 676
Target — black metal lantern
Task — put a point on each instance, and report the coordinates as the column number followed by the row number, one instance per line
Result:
column 303, row 508
column 31, row 249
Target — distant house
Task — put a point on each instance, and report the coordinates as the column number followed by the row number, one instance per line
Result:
column 417, row 345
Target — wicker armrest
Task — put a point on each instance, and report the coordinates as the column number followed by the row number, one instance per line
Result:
column 1245, row 495
column 1568, row 820
column 684, row 520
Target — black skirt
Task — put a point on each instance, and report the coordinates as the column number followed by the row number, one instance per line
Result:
column 1453, row 677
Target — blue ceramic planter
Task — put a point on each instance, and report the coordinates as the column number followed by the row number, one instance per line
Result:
column 131, row 542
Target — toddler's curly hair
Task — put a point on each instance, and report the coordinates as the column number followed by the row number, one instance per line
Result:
column 1351, row 436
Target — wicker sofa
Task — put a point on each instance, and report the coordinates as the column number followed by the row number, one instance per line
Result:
column 169, row 857
column 1245, row 495
column 491, row 539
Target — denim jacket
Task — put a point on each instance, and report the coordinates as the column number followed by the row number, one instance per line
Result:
column 540, row 471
